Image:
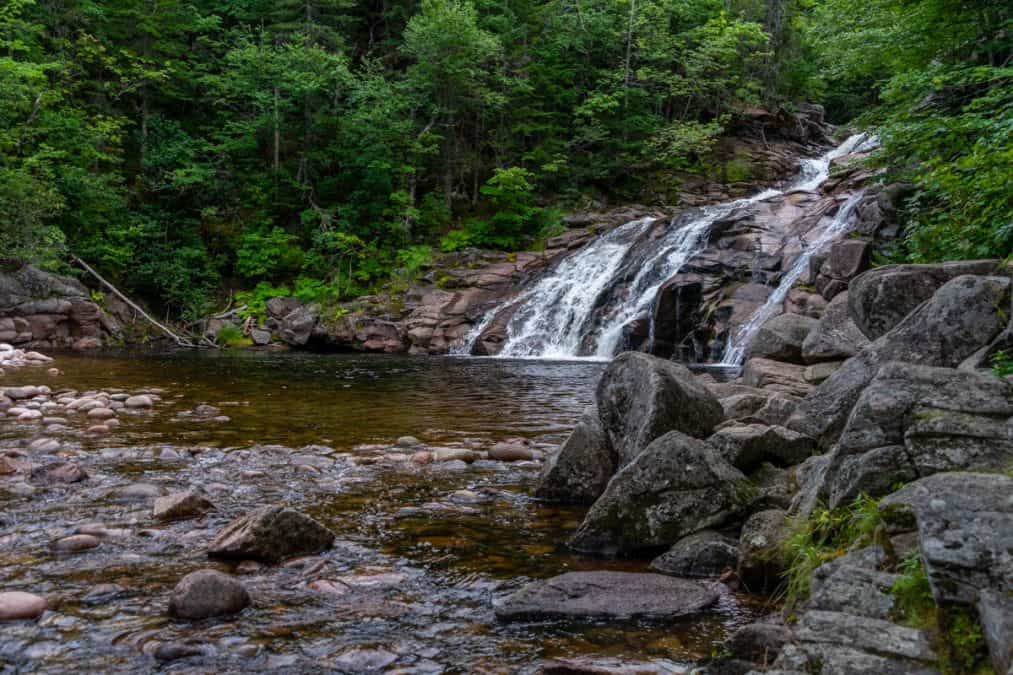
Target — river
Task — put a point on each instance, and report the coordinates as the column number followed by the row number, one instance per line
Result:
column 422, row 552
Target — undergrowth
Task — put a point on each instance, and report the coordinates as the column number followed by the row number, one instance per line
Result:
column 825, row 535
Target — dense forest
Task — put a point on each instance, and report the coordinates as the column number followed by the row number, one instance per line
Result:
column 317, row 147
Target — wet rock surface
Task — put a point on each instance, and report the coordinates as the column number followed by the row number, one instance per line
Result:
column 607, row 595
column 207, row 593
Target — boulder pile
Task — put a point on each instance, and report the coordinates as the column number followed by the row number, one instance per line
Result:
column 888, row 395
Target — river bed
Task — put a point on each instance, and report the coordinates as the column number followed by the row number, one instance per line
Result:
column 421, row 554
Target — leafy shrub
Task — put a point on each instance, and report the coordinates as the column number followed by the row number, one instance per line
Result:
column 268, row 254
column 231, row 336
column 256, row 299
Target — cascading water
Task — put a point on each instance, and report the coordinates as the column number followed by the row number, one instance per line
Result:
column 735, row 350
column 549, row 316
column 552, row 319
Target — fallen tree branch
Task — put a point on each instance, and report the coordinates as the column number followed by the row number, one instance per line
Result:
column 179, row 340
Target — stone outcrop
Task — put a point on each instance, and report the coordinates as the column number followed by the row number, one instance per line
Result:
column 881, row 298
column 677, row 486
column 963, row 316
column 913, row 421
column 641, row 397
column 836, row 335
column 41, row 310
column 607, row 595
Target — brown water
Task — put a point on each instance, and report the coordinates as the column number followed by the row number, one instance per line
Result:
column 425, row 550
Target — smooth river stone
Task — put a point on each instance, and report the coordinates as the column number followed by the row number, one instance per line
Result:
column 139, row 401
column 76, row 543
column 15, row 605
column 607, row 595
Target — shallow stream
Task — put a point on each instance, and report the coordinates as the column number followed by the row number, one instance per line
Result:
column 421, row 553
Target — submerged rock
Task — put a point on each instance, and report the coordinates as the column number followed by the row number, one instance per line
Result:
column 271, row 534
column 207, row 593
column 607, row 595
column 17, row 605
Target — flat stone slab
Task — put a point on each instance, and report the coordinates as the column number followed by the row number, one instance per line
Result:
column 607, row 595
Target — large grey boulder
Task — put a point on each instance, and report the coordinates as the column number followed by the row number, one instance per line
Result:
column 881, row 298
column 642, row 397
column 746, row 446
column 677, row 486
column 836, row 335
column 207, row 593
column 607, row 595
column 703, row 554
column 271, row 533
column 964, row 315
column 582, row 466
column 297, row 326
column 781, row 338
column 965, row 533
column 914, row 421
column 965, row 529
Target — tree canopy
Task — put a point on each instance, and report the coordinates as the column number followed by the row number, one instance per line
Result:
column 188, row 147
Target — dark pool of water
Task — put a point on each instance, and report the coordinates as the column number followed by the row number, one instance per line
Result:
column 435, row 546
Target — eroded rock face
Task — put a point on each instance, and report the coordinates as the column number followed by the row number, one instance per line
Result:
column 582, row 466
column 963, row 316
column 964, row 522
column 40, row 310
column 271, row 534
column 607, row 595
column 914, row 421
column 641, row 397
column 677, row 486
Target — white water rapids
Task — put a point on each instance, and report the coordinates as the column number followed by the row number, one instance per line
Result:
column 551, row 319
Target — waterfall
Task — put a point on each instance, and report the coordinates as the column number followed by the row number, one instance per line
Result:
column 552, row 318
column 467, row 345
column 735, row 350
column 549, row 316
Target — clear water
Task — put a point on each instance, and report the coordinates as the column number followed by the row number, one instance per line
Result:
column 437, row 557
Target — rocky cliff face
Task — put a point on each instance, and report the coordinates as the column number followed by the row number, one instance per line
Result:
column 40, row 310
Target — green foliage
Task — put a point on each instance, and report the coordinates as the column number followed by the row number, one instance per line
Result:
column 256, row 298
column 913, row 601
column 823, row 536
column 1002, row 363
column 962, row 641
column 231, row 336
column 269, row 253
